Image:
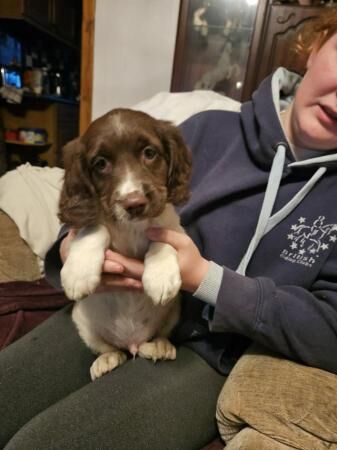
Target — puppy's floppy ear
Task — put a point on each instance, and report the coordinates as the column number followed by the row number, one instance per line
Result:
column 180, row 163
column 78, row 206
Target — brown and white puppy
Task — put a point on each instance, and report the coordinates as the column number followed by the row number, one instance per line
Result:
column 122, row 176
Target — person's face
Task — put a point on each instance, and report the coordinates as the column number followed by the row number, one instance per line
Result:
column 313, row 119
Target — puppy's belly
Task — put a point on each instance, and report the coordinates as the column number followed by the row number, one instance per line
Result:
column 122, row 319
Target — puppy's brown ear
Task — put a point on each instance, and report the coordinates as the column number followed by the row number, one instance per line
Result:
column 180, row 164
column 78, row 206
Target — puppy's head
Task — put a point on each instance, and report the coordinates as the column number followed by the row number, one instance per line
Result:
column 125, row 167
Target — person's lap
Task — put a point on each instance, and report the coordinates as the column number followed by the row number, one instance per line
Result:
column 48, row 401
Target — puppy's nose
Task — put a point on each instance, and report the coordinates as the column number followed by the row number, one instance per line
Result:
column 134, row 203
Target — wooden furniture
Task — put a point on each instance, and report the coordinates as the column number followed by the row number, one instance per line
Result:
column 59, row 119
column 212, row 45
column 272, row 43
column 59, row 18
column 87, row 62
column 52, row 27
column 236, row 46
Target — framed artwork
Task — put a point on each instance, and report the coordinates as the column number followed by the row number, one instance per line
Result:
column 213, row 44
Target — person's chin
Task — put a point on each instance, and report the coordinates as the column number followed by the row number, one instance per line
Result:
column 312, row 134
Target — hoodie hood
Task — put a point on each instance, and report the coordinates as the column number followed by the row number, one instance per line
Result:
column 258, row 154
column 274, row 150
column 262, row 123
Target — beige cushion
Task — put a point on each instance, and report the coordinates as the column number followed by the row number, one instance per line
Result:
column 17, row 261
column 288, row 404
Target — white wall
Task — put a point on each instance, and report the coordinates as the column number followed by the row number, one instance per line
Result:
column 133, row 51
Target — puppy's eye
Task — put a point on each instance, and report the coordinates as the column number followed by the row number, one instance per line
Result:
column 149, row 153
column 100, row 164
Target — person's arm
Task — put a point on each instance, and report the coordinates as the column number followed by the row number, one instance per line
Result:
column 296, row 322
column 292, row 320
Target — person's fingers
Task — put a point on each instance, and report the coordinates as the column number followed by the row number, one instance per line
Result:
column 72, row 233
column 121, row 264
column 112, row 267
column 65, row 243
column 117, row 281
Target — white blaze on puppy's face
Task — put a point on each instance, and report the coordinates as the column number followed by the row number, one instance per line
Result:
column 130, row 200
column 118, row 124
column 128, row 185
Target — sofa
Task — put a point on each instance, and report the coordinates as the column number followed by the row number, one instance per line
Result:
column 26, row 299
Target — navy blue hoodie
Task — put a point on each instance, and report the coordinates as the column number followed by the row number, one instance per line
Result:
column 283, row 295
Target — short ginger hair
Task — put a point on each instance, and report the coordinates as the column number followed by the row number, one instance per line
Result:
column 316, row 31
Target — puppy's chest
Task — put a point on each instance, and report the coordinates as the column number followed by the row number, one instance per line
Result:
column 129, row 240
column 124, row 318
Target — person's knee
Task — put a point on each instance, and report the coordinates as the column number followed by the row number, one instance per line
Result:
column 227, row 410
column 238, row 402
column 279, row 398
column 250, row 439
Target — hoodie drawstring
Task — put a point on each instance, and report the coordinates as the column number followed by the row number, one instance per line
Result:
column 267, row 222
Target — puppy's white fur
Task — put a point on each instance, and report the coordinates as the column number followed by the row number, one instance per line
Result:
column 126, row 169
column 124, row 320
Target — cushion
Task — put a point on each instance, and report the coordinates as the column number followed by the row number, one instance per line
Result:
column 17, row 261
column 24, row 305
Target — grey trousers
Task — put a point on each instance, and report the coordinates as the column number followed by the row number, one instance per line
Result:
column 48, row 402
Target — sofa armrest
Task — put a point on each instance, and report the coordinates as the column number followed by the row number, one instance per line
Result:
column 17, row 261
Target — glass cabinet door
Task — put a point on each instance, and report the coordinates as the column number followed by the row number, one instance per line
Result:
column 213, row 43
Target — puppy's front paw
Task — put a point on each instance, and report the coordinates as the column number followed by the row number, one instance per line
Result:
column 80, row 278
column 159, row 348
column 106, row 363
column 162, row 281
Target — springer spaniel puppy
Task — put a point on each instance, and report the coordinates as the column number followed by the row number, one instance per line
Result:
column 121, row 177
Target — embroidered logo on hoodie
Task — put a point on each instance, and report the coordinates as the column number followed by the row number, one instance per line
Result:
column 308, row 241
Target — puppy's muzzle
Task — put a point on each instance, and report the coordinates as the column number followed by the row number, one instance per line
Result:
column 134, row 204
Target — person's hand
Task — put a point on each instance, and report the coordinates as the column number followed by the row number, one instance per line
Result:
column 65, row 244
column 120, row 271
column 193, row 267
column 117, row 272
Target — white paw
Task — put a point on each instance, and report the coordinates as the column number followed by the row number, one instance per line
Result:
column 162, row 281
column 159, row 348
column 80, row 277
column 106, row 363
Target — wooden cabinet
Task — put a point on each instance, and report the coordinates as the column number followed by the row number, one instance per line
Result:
column 59, row 18
column 46, row 29
column 60, row 120
column 39, row 11
column 212, row 46
column 230, row 47
column 67, row 120
column 65, row 19
column 272, row 43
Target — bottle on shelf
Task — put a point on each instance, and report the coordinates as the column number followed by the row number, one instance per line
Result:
column 45, row 67
column 28, row 69
column 36, row 73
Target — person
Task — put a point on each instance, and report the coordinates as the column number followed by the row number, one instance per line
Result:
column 259, row 274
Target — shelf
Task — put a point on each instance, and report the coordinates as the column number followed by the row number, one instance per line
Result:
column 27, row 144
column 49, row 98
column 25, row 27
column 30, row 98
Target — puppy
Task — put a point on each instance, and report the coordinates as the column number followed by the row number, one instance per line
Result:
column 121, row 177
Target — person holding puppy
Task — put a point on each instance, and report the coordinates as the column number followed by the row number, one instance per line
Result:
column 259, row 275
